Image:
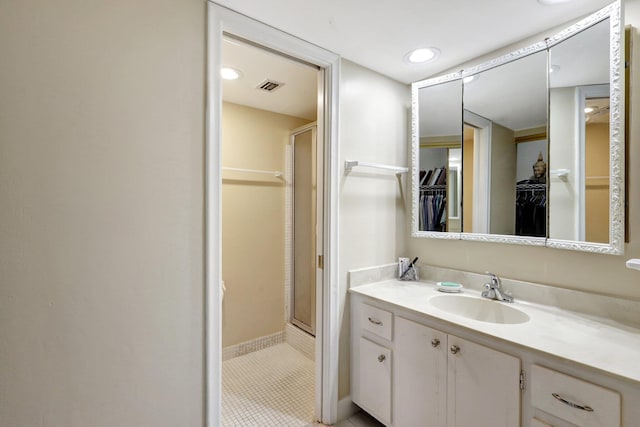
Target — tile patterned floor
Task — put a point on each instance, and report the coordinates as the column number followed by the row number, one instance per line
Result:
column 270, row 387
column 274, row 387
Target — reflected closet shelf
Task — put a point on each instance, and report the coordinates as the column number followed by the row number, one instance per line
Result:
column 277, row 174
column 350, row 164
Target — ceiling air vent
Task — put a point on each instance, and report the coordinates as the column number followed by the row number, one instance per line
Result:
column 270, row 85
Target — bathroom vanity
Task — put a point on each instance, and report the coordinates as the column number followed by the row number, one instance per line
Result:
column 420, row 357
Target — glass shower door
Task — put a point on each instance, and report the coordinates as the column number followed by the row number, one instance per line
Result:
column 305, row 213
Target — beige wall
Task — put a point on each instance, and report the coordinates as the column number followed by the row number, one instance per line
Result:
column 596, row 197
column 605, row 274
column 503, row 181
column 253, row 212
column 564, row 193
column 374, row 127
column 101, row 225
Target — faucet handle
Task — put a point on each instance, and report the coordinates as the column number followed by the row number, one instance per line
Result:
column 494, row 279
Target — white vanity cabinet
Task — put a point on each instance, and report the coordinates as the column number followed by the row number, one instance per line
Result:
column 444, row 380
column 372, row 361
column 374, row 366
column 434, row 379
column 565, row 398
column 483, row 386
column 420, row 375
column 440, row 368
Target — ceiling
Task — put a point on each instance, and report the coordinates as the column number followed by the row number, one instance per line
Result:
column 298, row 95
column 353, row 30
column 378, row 34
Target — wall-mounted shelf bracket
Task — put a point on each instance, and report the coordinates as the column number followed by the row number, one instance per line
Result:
column 560, row 173
column 350, row 164
column 634, row 264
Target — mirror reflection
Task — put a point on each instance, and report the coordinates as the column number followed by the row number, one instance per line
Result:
column 527, row 148
column 579, row 126
column 505, row 114
column 440, row 157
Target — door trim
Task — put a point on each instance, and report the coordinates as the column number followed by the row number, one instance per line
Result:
column 221, row 20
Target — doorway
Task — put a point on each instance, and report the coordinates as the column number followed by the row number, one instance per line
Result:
column 267, row 97
column 220, row 21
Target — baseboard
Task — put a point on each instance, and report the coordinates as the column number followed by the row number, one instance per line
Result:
column 253, row 345
column 301, row 341
column 346, row 408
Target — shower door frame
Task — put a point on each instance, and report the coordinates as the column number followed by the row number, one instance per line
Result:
column 220, row 21
column 318, row 250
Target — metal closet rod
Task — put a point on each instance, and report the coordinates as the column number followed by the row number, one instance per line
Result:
column 277, row 174
column 350, row 164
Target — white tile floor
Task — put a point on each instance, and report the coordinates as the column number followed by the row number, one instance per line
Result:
column 273, row 387
column 270, row 387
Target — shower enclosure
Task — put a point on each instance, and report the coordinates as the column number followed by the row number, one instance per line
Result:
column 306, row 265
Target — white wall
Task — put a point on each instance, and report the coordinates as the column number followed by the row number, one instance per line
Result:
column 101, row 225
column 564, row 193
column 374, row 127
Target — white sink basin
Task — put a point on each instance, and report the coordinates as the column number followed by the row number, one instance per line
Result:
column 484, row 310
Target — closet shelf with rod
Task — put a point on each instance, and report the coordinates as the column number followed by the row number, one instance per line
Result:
column 350, row 164
column 276, row 174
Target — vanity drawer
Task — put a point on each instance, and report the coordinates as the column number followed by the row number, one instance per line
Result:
column 376, row 320
column 574, row 400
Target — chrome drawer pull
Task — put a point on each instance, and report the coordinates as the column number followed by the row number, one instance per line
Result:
column 375, row 322
column 455, row 349
column 381, row 358
column 435, row 342
column 573, row 405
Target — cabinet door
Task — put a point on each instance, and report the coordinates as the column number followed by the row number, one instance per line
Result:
column 419, row 375
column 375, row 380
column 483, row 386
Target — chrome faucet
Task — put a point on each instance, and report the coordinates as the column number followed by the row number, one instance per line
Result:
column 494, row 290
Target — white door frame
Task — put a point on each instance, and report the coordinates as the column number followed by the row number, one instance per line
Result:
column 481, row 221
column 221, row 20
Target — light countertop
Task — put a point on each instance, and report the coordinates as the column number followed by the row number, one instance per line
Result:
column 597, row 343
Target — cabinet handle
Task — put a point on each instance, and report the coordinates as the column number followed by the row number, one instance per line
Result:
column 573, row 405
column 375, row 322
column 455, row 349
column 381, row 358
column 435, row 342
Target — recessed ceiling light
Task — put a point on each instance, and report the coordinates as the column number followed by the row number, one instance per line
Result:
column 553, row 2
column 588, row 110
column 422, row 55
column 229, row 73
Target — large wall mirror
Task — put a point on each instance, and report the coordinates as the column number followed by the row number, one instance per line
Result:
column 527, row 148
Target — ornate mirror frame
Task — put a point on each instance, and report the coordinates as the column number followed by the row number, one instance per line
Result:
column 616, row 138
